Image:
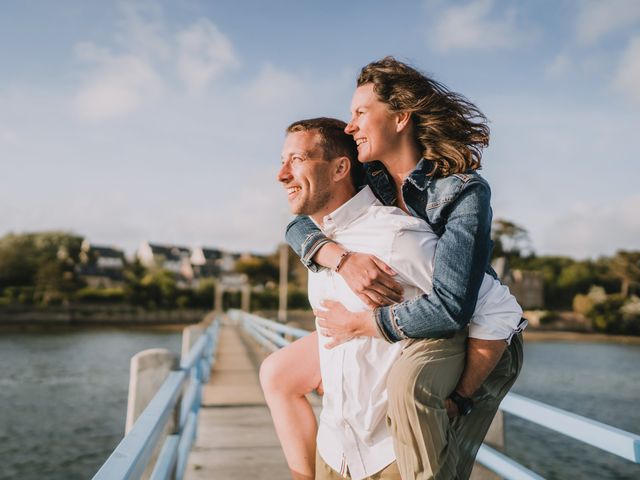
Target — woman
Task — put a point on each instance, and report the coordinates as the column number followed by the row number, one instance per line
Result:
column 421, row 144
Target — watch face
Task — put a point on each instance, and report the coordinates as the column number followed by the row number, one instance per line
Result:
column 465, row 405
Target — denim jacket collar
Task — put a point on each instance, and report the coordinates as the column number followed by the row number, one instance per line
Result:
column 420, row 177
column 381, row 182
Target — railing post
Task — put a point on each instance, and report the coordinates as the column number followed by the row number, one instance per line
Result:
column 148, row 371
column 190, row 336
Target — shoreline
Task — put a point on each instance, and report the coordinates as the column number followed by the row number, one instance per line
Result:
column 66, row 327
column 536, row 335
column 530, row 334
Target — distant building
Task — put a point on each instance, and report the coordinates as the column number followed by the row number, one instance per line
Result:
column 207, row 262
column 527, row 286
column 101, row 267
column 169, row 257
column 189, row 265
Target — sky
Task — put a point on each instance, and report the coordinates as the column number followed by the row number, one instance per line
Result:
column 163, row 121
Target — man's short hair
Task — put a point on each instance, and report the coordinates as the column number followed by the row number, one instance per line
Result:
column 334, row 142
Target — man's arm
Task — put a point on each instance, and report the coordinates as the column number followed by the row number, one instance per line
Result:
column 482, row 358
column 305, row 238
column 367, row 276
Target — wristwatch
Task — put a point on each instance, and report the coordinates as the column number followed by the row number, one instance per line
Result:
column 465, row 405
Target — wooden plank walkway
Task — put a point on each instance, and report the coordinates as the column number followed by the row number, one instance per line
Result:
column 236, row 438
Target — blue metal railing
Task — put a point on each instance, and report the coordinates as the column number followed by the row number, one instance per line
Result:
column 133, row 454
column 605, row 437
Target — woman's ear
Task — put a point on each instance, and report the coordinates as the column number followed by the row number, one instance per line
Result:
column 402, row 120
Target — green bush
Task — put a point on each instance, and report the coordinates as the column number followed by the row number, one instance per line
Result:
column 582, row 304
column 267, row 299
column 298, row 300
column 607, row 316
column 100, row 295
column 183, row 301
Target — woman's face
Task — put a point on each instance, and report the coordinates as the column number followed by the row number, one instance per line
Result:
column 372, row 125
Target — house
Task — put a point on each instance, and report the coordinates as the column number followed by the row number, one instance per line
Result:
column 527, row 286
column 101, row 267
column 168, row 257
column 207, row 262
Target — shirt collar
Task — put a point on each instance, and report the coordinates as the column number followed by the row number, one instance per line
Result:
column 349, row 211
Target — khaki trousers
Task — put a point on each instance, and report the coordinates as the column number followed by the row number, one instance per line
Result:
column 325, row 472
column 427, row 444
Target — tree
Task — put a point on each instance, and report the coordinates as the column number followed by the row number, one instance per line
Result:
column 260, row 270
column 510, row 240
column 48, row 262
column 626, row 267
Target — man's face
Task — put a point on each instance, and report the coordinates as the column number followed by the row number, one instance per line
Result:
column 372, row 125
column 305, row 173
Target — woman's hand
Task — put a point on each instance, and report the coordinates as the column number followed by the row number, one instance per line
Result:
column 341, row 325
column 371, row 279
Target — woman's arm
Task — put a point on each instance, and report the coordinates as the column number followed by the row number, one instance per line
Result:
column 367, row 276
column 460, row 261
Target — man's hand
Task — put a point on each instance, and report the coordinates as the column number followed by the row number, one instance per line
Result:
column 342, row 325
column 366, row 275
column 452, row 408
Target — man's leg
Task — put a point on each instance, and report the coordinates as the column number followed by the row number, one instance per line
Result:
column 471, row 429
column 286, row 376
column 419, row 382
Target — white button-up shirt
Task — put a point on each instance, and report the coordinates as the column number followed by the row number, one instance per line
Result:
column 352, row 432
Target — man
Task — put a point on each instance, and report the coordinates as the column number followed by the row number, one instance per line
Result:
column 319, row 171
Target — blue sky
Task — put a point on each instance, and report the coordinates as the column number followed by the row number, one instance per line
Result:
column 163, row 121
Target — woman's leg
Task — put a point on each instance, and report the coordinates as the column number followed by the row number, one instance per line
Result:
column 418, row 384
column 287, row 376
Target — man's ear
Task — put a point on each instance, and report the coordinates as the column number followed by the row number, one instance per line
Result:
column 402, row 121
column 342, row 168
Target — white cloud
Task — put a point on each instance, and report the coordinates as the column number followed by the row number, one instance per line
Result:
column 560, row 66
column 273, row 86
column 592, row 228
column 627, row 76
column 118, row 84
column 474, row 26
column 142, row 31
column 204, row 54
column 600, row 18
column 8, row 136
column 146, row 59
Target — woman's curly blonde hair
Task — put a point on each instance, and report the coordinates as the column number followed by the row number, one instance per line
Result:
column 449, row 130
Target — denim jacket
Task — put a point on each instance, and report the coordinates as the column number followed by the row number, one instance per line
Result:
column 459, row 212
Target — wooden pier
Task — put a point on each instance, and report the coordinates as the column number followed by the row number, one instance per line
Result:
column 226, row 414
column 236, row 438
